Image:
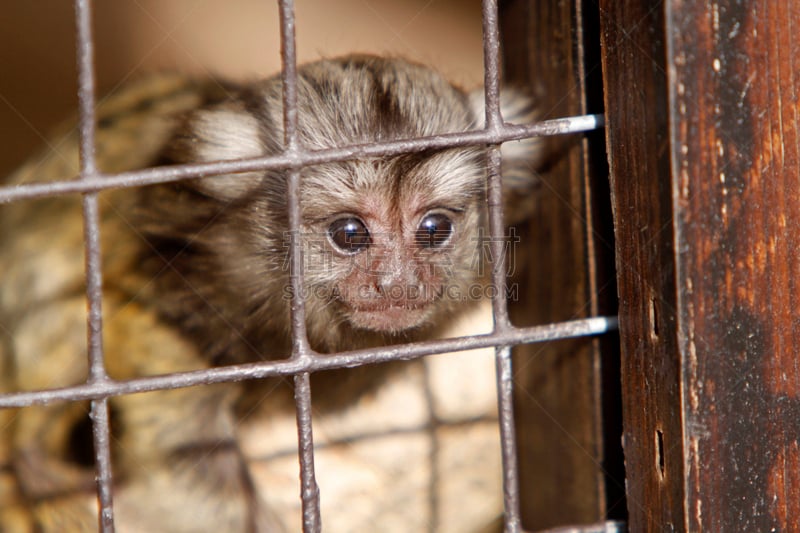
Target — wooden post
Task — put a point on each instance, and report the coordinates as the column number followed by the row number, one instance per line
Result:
column 566, row 401
column 702, row 130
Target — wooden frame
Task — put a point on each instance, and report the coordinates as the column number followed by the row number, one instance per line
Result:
column 701, row 102
column 702, row 124
column 567, row 392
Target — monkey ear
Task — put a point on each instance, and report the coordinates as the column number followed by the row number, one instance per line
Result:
column 521, row 159
column 219, row 134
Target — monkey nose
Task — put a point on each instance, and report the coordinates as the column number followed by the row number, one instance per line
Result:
column 398, row 290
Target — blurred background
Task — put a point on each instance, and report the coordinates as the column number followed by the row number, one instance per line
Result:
column 237, row 39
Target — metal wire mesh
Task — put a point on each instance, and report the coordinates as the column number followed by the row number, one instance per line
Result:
column 303, row 361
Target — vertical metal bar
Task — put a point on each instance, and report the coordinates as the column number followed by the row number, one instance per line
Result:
column 491, row 59
column 312, row 522
column 86, row 97
column 289, row 74
column 491, row 49
column 309, row 492
column 505, row 388
column 101, row 435
column 491, row 64
column 497, row 240
column 508, row 439
column 289, row 84
column 94, row 280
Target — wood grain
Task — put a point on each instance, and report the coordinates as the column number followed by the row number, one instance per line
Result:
column 570, row 470
column 702, row 129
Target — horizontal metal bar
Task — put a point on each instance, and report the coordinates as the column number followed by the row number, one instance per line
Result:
column 313, row 363
column 152, row 176
column 611, row 526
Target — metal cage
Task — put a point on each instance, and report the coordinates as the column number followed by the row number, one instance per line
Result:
column 303, row 361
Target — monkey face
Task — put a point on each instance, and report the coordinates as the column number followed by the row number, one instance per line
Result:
column 396, row 241
column 390, row 244
column 395, row 237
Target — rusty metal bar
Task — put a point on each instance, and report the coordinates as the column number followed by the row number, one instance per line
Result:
column 491, row 65
column 309, row 492
column 152, row 176
column 508, row 439
column 309, row 489
column 89, row 391
column 94, row 280
column 505, row 382
column 609, row 526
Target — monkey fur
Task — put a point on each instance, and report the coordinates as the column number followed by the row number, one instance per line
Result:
column 196, row 276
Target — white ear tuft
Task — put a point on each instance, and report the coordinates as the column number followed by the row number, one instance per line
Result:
column 226, row 134
column 522, row 158
column 222, row 135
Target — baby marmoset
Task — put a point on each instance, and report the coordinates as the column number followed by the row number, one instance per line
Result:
column 196, row 275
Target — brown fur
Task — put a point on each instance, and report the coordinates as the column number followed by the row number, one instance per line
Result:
column 196, row 275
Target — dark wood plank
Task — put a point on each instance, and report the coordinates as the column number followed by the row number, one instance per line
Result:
column 735, row 188
column 702, row 130
column 637, row 138
column 563, row 389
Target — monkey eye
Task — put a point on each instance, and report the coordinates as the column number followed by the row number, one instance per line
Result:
column 434, row 230
column 349, row 235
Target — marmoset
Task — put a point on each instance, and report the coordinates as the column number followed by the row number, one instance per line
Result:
column 196, row 274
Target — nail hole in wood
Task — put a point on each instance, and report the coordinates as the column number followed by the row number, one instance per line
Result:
column 660, row 463
column 653, row 314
